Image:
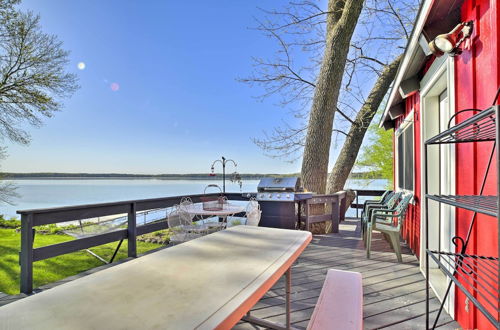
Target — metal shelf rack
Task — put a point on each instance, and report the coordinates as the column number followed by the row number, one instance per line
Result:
column 476, row 276
column 481, row 204
column 478, row 128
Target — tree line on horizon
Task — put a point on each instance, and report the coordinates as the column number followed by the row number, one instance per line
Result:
column 204, row 176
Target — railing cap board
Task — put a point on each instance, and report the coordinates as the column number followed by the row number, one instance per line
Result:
column 119, row 203
column 367, row 192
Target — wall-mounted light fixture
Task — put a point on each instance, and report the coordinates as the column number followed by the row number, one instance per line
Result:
column 450, row 42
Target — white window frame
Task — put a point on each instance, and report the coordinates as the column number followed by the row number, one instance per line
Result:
column 442, row 68
column 408, row 120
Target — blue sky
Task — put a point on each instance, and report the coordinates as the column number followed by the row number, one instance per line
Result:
column 178, row 106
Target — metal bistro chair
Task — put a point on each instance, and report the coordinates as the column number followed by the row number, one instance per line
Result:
column 181, row 224
column 389, row 223
column 390, row 204
column 252, row 214
column 197, row 227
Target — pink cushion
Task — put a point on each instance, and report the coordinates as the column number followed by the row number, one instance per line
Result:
column 340, row 304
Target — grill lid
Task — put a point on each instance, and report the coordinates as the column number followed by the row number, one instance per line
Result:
column 279, row 184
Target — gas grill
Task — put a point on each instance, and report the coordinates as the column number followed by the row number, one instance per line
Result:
column 278, row 198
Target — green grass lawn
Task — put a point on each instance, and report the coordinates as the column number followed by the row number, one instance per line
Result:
column 53, row 269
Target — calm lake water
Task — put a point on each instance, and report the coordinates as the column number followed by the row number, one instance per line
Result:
column 45, row 193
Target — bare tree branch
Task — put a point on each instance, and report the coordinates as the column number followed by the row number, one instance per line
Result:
column 299, row 29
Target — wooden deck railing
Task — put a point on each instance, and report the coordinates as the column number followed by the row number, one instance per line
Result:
column 366, row 193
column 33, row 218
column 38, row 217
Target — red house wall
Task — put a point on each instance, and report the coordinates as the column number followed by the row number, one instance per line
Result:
column 411, row 228
column 477, row 78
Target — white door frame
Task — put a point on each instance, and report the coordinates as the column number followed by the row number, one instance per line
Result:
column 443, row 69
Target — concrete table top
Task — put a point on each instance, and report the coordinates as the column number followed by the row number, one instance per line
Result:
column 206, row 283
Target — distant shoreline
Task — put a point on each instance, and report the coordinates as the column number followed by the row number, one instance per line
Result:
column 118, row 176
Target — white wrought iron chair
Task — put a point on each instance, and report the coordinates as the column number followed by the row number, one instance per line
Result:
column 182, row 227
column 252, row 214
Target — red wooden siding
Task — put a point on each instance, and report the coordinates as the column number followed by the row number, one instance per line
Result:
column 477, row 78
column 411, row 228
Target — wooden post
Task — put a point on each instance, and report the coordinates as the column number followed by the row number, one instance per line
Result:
column 343, row 208
column 335, row 213
column 132, row 232
column 26, row 256
column 306, row 215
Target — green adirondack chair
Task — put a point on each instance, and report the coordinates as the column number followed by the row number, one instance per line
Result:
column 390, row 204
column 389, row 223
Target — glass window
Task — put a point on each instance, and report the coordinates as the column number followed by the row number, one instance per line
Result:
column 405, row 158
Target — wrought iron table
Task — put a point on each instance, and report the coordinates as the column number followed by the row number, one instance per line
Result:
column 196, row 209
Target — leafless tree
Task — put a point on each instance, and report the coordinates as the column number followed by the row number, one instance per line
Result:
column 301, row 31
column 8, row 190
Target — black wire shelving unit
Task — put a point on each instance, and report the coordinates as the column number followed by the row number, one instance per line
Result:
column 478, row 128
column 481, row 204
column 478, row 277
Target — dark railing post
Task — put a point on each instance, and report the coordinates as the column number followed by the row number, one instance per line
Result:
column 26, row 256
column 132, row 232
column 336, row 214
column 357, row 204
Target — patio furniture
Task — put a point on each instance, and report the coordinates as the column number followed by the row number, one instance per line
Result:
column 343, row 204
column 329, row 205
column 213, row 223
column 252, row 214
column 208, row 283
column 181, row 224
column 389, row 223
column 391, row 203
column 340, row 303
column 383, row 199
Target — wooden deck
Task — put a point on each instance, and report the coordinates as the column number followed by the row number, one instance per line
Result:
column 394, row 293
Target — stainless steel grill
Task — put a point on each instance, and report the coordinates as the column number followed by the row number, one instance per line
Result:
column 278, row 198
column 278, row 189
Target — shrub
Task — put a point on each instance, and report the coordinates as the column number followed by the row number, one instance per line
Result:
column 13, row 223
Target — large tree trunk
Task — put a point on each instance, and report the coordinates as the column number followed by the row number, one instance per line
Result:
column 354, row 139
column 341, row 23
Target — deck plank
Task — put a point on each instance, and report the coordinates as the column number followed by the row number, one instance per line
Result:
column 394, row 293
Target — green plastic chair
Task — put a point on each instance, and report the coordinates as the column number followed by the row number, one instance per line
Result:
column 371, row 203
column 389, row 223
column 390, row 204
column 383, row 199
